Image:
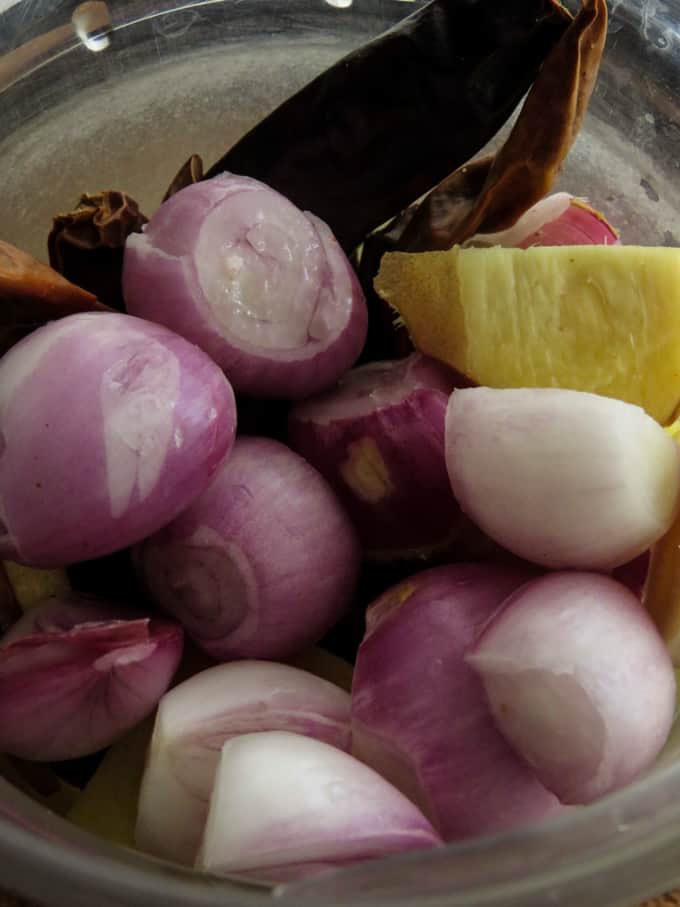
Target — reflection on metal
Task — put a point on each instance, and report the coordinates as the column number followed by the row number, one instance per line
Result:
column 92, row 24
column 340, row 4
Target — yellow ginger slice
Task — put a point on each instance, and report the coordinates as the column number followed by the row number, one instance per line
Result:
column 108, row 805
column 604, row 319
column 32, row 584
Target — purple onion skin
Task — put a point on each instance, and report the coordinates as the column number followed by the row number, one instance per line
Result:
column 177, row 271
column 379, row 441
column 109, row 427
column 262, row 564
column 73, row 679
column 420, row 714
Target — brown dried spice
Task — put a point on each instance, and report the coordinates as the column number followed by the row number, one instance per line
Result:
column 189, row 173
column 86, row 245
column 525, row 168
column 32, row 293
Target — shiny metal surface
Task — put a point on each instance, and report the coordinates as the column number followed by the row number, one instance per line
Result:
column 95, row 96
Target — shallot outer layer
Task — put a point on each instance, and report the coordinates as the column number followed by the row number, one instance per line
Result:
column 379, row 440
column 76, row 674
column 262, row 287
column 109, row 427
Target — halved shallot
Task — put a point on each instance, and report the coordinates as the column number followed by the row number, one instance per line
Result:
column 286, row 807
column 420, row 714
column 579, row 681
column 563, row 478
column 196, row 718
column 262, row 287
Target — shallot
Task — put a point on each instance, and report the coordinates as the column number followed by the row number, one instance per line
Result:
column 75, row 675
column 262, row 287
column 557, row 220
column 419, row 712
column 262, row 564
column 579, row 681
column 562, row 478
column 379, row 440
column 109, row 427
column 198, row 716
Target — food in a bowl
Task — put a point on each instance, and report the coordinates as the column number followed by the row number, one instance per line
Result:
column 259, row 769
column 77, row 674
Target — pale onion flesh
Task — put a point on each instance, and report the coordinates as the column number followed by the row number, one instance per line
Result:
column 198, row 716
column 286, row 807
column 579, row 682
column 559, row 477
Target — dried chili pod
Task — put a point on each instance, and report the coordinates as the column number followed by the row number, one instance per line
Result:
column 387, row 339
column 525, row 168
column 32, row 293
column 86, row 245
column 385, row 124
column 189, row 173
